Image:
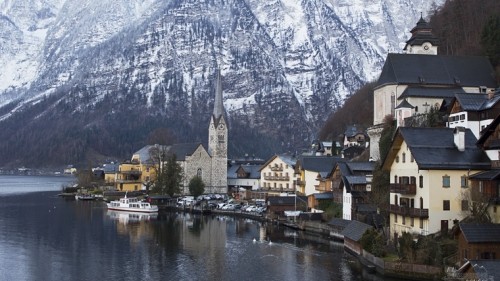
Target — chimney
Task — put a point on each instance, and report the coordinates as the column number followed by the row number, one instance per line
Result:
column 491, row 94
column 459, row 138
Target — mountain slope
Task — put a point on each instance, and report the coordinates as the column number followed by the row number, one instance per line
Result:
column 97, row 78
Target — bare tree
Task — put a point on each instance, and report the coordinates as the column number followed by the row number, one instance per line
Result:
column 475, row 205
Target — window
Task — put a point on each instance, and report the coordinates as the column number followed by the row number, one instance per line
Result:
column 446, row 205
column 395, row 217
column 404, row 157
column 481, row 186
column 412, row 221
column 411, row 158
column 465, row 205
column 404, row 220
column 397, row 159
column 395, row 179
column 446, row 181
column 463, row 181
column 421, row 181
column 421, row 223
column 199, row 173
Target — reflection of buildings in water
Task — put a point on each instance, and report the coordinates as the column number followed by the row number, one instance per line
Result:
column 136, row 225
column 205, row 237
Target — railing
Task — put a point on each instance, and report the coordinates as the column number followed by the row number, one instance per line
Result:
column 299, row 182
column 276, row 168
column 277, row 178
column 407, row 211
column 407, row 189
column 131, row 172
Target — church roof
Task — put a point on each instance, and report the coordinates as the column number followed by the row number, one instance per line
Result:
column 430, row 92
column 454, row 71
column 218, row 103
column 180, row 150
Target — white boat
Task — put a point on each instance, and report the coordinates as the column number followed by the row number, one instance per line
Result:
column 132, row 204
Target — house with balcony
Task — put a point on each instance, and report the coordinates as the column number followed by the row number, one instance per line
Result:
column 312, row 171
column 477, row 241
column 429, row 168
column 277, row 175
column 473, row 111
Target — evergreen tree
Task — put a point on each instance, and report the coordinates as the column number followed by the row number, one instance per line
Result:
column 196, row 186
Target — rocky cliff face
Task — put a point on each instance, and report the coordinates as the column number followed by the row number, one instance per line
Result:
column 88, row 78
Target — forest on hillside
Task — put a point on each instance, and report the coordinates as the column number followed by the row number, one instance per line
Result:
column 464, row 27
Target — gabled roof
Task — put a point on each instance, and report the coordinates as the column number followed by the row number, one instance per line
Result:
column 481, row 233
column 493, row 174
column 319, row 163
column 182, row 150
column 434, row 149
column 355, row 230
column 352, row 131
column 412, row 69
column 252, row 170
column 288, row 159
column 476, row 102
column 339, row 222
column 430, row 92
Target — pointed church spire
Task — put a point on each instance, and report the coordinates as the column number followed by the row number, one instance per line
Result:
column 218, row 104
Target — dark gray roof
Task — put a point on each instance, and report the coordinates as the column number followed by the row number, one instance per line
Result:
column 481, row 233
column 361, row 166
column 411, row 69
column 491, row 267
column 285, row 200
column 319, row 163
column 252, row 169
column 323, row 196
column 404, row 104
column 493, row 174
column 355, row 230
column 476, row 102
column 431, row 92
column 182, row 150
column 434, row 148
column 339, row 222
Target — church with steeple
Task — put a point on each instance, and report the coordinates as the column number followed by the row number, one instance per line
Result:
column 194, row 159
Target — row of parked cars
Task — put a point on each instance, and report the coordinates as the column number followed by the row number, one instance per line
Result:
column 242, row 208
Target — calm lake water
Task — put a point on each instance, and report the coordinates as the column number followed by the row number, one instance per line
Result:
column 45, row 237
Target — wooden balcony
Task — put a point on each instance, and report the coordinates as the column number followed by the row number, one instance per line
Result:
column 406, row 211
column 406, row 189
column 276, row 178
column 276, row 168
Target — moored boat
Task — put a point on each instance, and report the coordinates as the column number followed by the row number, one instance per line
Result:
column 132, row 204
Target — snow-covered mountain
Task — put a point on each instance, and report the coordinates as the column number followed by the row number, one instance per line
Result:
column 286, row 65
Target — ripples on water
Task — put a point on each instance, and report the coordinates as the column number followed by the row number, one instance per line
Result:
column 43, row 237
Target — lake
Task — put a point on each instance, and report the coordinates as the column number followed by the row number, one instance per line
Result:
column 45, row 237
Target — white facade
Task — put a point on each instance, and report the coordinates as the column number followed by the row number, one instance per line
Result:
column 346, row 205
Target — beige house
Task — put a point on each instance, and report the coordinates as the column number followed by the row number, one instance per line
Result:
column 429, row 169
column 277, row 175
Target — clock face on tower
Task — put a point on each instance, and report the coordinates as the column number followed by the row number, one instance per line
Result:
column 426, row 46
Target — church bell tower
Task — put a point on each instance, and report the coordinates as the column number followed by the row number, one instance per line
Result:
column 217, row 142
